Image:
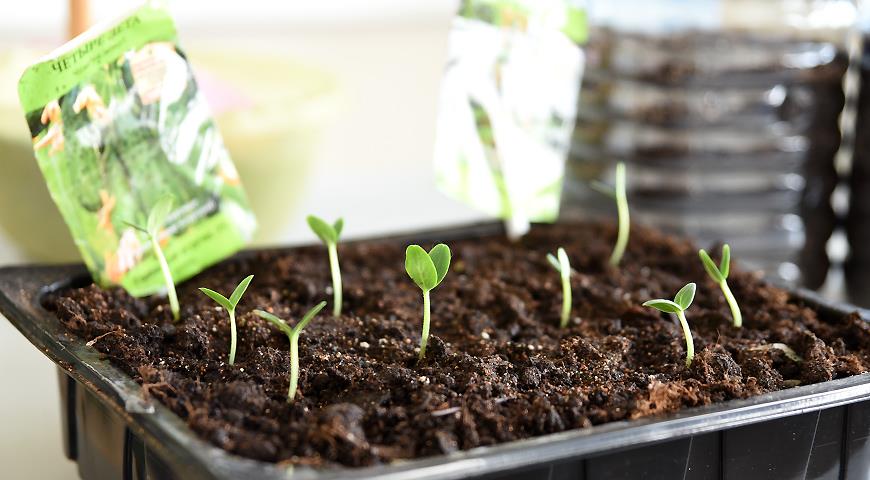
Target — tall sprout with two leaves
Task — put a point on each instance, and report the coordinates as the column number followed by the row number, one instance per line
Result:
column 563, row 266
column 155, row 222
column 720, row 276
column 679, row 305
column 293, row 335
column 329, row 235
column 427, row 270
column 618, row 193
column 230, row 304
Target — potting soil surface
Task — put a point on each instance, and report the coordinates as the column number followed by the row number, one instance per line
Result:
column 498, row 367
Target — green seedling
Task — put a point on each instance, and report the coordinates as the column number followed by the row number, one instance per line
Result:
column 619, row 195
column 155, row 222
column 561, row 264
column 622, row 212
column 427, row 270
column 329, row 235
column 293, row 336
column 230, row 305
column 720, row 276
column 679, row 305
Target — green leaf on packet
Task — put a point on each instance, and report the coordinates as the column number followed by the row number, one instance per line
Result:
column 117, row 123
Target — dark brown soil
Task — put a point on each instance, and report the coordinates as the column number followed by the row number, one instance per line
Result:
column 498, row 367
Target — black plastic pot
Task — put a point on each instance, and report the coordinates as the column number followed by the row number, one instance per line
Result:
column 817, row 431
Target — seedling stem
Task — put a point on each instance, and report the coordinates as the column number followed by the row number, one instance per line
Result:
column 167, row 278
column 732, row 304
column 424, row 338
column 687, row 333
column 336, row 279
column 623, row 213
column 155, row 222
column 293, row 336
column 563, row 266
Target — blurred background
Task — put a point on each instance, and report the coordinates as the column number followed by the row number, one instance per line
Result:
column 738, row 119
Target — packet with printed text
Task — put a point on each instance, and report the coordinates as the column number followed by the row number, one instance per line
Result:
column 118, row 124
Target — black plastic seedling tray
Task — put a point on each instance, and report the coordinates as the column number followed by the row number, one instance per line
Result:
column 817, row 431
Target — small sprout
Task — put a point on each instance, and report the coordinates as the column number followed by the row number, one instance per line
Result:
column 155, row 222
column 561, row 264
column 618, row 194
column 329, row 235
column 229, row 305
column 427, row 270
column 679, row 305
column 720, row 275
column 622, row 211
column 791, row 354
column 293, row 336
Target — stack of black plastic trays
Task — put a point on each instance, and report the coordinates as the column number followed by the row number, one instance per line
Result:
column 857, row 266
column 728, row 135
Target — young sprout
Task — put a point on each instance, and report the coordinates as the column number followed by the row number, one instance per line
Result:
column 618, row 194
column 561, row 264
column 155, row 222
column 329, row 235
column 293, row 336
column 427, row 270
column 229, row 305
column 681, row 303
column 622, row 211
column 720, row 275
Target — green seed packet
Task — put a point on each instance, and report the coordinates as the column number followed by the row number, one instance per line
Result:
column 118, row 124
column 508, row 106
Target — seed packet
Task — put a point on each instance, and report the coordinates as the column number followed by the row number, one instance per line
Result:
column 118, row 125
column 508, row 105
